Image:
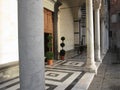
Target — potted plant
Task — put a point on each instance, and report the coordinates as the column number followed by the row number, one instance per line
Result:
column 49, row 55
column 62, row 51
column 62, row 54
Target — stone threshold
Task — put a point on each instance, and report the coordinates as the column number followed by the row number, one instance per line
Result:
column 9, row 65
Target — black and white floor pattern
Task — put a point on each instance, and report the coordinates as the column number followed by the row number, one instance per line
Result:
column 61, row 79
column 11, row 84
column 55, row 79
column 67, row 65
column 63, row 75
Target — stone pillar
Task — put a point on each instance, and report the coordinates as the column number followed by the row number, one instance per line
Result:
column 103, row 49
column 90, row 63
column 107, row 39
column 103, row 39
column 31, row 44
column 55, row 28
column 97, row 5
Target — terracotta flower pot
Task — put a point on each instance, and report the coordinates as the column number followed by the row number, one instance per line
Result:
column 62, row 57
column 50, row 62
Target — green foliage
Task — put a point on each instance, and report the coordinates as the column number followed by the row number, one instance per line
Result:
column 62, row 44
column 49, row 55
column 62, row 38
column 62, row 52
column 49, row 37
column 49, row 45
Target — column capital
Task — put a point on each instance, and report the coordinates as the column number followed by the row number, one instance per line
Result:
column 97, row 4
column 102, row 12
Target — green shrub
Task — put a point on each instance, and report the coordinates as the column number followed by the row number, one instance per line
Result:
column 49, row 55
column 62, row 52
column 62, row 38
column 49, row 44
column 62, row 44
column 49, row 37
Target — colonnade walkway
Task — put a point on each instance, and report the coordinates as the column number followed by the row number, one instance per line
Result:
column 69, row 75
column 108, row 76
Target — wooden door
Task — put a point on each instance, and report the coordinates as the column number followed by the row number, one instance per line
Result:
column 48, row 22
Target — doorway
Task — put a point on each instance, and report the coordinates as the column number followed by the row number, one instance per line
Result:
column 48, row 28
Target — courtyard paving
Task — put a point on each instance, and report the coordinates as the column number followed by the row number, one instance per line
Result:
column 108, row 77
column 63, row 75
column 68, row 75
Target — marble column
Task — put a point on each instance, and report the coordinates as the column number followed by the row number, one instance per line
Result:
column 107, row 39
column 97, row 5
column 103, row 49
column 31, row 44
column 103, row 39
column 90, row 63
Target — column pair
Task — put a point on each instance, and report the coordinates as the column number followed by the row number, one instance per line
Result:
column 90, row 63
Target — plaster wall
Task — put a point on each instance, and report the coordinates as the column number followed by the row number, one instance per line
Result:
column 66, row 26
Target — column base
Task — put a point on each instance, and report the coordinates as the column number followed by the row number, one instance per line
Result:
column 98, row 60
column 90, row 68
column 104, row 52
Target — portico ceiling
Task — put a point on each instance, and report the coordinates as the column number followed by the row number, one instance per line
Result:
column 74, row 5
column 74, row 2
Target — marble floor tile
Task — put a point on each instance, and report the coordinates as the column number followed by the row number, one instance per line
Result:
column 64, row 79
column 63, row 75
column 55, row 79
column 68, row 65
column 85, row 81
column 8, row 84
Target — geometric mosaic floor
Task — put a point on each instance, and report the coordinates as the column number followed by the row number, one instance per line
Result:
column 63, row 75
column 61, row 79
column 12, row 84
column 67, row 65
column 54, row 80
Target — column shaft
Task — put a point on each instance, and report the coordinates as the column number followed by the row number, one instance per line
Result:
column 103, row 50
column 90, row 63
column 31, row 44
column 97, row 35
